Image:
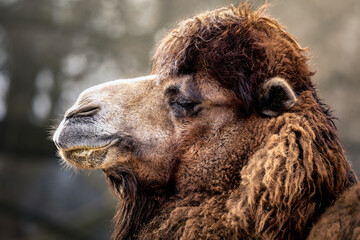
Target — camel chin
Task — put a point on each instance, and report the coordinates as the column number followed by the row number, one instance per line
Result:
column 86, row 157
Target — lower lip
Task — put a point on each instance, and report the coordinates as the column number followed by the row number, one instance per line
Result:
column 87, row 157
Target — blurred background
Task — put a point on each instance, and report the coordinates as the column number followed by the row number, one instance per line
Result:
column 51, row 50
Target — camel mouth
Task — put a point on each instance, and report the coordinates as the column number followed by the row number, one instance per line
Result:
column 87, row 156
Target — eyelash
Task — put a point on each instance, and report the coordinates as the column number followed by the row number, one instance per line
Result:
column 183, row 103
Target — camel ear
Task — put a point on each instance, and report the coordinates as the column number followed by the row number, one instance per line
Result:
column 276, row 96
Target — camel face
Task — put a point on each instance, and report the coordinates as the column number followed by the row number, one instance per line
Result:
column 137, row 123
column 180, row 129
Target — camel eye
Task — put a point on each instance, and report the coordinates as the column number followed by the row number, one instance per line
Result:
column 182, row 107
column 183, row 103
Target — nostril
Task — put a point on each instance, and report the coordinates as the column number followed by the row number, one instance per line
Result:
column 88, row 111
column 83, row 111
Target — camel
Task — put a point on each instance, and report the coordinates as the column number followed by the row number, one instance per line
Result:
column 227, row 139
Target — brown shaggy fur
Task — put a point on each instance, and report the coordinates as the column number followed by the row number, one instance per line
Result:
column 341, row 221
column 229, row 170
column 298, row 172
column 238, row 47
column 274, row 184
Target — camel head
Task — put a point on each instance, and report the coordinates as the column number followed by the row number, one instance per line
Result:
column 180, row 124
column 157, row 128
column 230, row 109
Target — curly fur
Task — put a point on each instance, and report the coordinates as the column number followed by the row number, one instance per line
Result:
column 341, row 221
column 239, row 47
column 269, row 178
column 293, row 178
column 285, row 186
